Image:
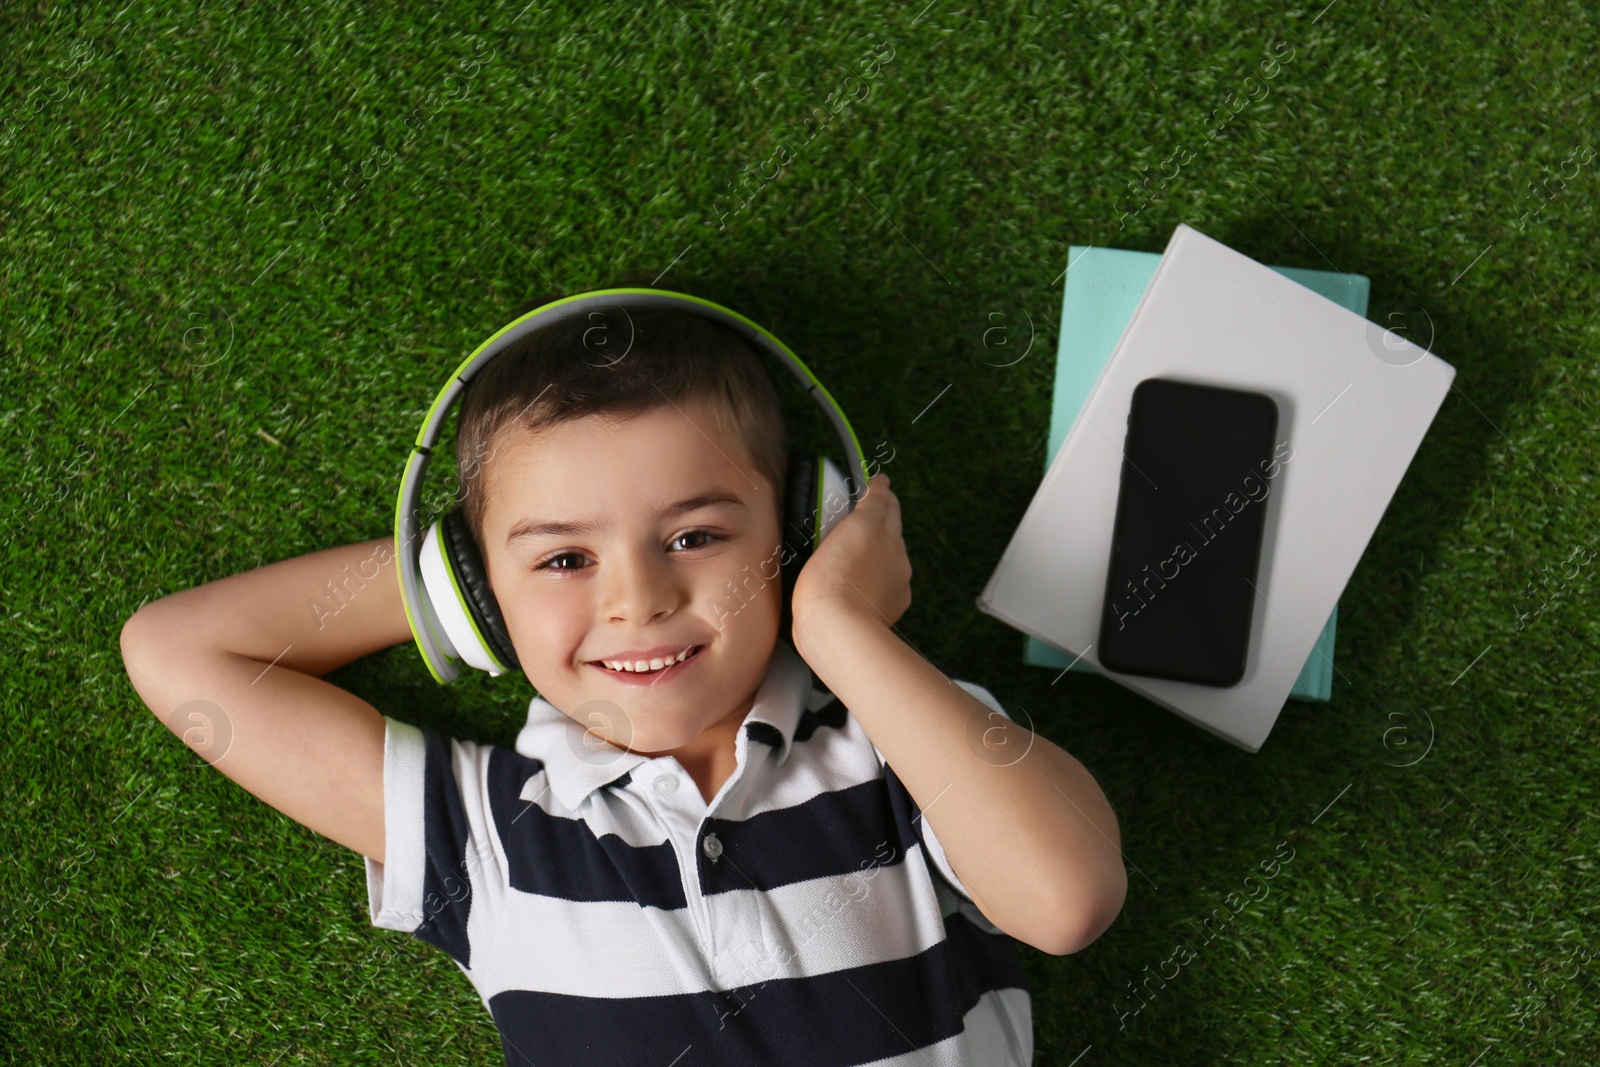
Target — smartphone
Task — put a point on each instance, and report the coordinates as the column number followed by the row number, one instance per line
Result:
column 1197, row 474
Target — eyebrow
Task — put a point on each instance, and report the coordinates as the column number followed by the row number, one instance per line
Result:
column 528, row 529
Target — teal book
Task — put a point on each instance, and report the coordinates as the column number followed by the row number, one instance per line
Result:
column 1103, row 288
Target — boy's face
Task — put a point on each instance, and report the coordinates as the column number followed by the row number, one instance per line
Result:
column 647, row 580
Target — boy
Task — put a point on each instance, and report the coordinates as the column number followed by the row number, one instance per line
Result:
column 694, row 855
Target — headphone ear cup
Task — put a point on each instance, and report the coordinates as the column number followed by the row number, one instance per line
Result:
column 799, row 525
column 472, row 579
column 832, row 497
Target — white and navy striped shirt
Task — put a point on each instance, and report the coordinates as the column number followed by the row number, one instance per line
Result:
column 607, row 915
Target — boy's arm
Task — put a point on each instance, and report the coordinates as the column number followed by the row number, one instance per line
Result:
column 1032, row 837
column 255, row 645
column 1034, row 841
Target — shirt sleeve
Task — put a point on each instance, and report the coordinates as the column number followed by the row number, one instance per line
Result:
column 440, row 859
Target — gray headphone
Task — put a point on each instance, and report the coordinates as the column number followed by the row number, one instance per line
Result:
column 443, row 581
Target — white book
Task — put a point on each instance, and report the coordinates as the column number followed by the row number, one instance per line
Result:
column 1354, row 401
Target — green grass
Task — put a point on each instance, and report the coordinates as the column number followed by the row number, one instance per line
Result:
column 201, row 247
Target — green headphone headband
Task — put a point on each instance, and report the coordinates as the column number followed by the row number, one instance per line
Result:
column 408, row 531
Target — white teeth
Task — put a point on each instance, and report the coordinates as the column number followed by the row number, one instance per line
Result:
column 641, row 666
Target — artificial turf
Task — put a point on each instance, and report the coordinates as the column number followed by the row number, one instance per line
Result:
column 241, row 247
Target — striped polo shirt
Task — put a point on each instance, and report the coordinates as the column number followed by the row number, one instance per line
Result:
column 607, row 915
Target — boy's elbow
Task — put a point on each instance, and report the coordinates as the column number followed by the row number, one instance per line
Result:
column 141, row 641
column 1088, row 915
column 136, row 633
column 132, row 637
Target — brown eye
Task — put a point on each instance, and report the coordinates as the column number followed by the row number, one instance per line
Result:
column 710, row 537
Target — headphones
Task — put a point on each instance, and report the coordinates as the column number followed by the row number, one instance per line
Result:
column 444, row 583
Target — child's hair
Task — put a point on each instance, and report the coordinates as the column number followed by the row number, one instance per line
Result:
column 622, row 365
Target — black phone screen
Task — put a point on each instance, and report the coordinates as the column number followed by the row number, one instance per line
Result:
column 1197, row 472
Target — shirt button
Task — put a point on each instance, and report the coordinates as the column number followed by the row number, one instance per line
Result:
column 666, row 785
column 712, row 846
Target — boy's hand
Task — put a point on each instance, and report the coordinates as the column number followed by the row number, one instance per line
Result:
column 861, row 566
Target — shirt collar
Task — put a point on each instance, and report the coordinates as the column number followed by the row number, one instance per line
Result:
column 577, row 764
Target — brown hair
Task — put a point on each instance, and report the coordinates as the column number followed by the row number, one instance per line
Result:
column 620, row 361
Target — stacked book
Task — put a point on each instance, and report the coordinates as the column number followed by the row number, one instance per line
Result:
column 1355, row 402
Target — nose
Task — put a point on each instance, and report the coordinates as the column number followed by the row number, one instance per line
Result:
column 639, row 586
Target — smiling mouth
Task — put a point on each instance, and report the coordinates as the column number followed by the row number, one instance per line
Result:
column 694, row 651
